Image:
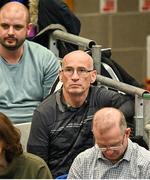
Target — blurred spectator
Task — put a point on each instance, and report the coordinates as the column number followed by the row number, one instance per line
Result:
column 14, row 164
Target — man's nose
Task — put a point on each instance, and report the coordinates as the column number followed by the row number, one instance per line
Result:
column 11, row 30
column 109, row 152
column 75, row 74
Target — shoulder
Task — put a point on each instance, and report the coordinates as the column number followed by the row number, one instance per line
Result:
column 101, row 89
column 49, row 101
column 32, row 160
column 45, row 114
column 40, row 56
column 32, row 167
column 37, row 48
column 96, row 91
column 48, row 107
column 86, row 156
column 141, row 154
column 96, row 88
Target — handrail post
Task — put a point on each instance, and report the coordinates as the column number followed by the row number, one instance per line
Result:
column 146, row 98
column 138, row 117
column 96, row 54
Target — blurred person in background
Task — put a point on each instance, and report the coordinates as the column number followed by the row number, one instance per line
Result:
column 14, row 163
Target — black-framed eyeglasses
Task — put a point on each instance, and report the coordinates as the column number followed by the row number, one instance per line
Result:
column 112, row 148
column 81, row 71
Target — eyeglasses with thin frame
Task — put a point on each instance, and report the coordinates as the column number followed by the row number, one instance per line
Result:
column 112, row 148
column 81, row 71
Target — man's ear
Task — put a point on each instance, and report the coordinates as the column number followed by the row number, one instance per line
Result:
column 128, row 132
column 93, row 76
column 60, row 75
column 31, row 30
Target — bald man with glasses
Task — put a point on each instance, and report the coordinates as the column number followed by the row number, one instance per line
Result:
column 114, row 155
column 61, row 125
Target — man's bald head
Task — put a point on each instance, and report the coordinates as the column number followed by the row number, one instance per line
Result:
column 108, row 118
column 78, row 55
column 16, row 8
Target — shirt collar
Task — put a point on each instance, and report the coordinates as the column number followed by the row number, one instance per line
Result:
column 63, row 106
column 128, row 153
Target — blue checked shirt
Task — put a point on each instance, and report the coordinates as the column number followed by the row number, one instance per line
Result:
column 91, row 164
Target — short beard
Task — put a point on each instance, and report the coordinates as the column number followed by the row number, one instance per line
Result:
column 12, row 48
